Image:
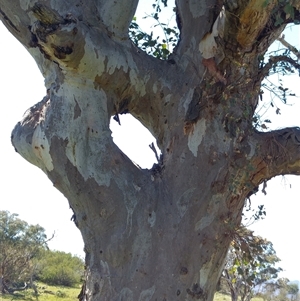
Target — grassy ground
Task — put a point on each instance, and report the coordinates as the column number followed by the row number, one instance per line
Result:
column 223, row 297
column 46, row 293
column 57, row 293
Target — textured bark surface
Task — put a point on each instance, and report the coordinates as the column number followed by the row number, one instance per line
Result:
column 159, row 234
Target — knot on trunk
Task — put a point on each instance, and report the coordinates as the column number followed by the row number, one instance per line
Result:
column 196, row 292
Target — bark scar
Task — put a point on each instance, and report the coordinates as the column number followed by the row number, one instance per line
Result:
column 211, row 66
column 196, row 291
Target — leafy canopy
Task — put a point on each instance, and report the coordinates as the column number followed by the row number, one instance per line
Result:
column 25, row 257
column 20, row 243
column 251, row 261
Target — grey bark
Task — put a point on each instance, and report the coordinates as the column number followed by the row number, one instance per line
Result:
column 159, row 234
column 1, row 285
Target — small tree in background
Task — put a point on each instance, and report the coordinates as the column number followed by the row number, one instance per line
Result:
column 281, row 290
column 24, row 257
column 20, row 243
column 250, row 262
column 293, row 291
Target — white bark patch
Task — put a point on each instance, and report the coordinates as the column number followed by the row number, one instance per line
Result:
column 130, row 201
column 183, row 201
column 116, row 61
column 204, row 273
column 154, row 88
column 47, row 67
column 187, row 100
column 88, row 138
column 204, row 222
column 41, row 147
column 130, row 206
column 126, row 294
column 197, row 8
column 152, row 219
column 105, row 268
column 136, row 187
column 147, row 294
column 252, row 150
column 168, row 98
column 208, row 46
column 211, row 213
column 91, row 63
column 196, row 136
column 26, row 4
column 105, row 276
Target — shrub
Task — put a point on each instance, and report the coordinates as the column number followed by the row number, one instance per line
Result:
column 59, row 268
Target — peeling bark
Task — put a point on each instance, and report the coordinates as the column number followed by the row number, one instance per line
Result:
column 159, row 234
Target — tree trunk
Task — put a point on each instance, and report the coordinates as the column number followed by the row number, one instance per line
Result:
column 159, row 234
column 2, row 291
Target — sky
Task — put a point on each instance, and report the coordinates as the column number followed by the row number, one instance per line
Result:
column 27, row 191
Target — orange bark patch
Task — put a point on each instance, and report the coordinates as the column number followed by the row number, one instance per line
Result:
column 252, row 21
column 211, row 66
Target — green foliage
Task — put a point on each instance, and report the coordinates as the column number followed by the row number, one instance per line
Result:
column 155, row 46
column 251, row 261
column 284, row 10
column 46, row 293
column 20, row 243
column 281, row 290
column 257, row 214
column 24, row 257
column 59, row 268
column 292, row 289
column 287, row 12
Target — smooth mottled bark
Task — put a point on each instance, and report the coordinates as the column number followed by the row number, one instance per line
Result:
column 159, row 234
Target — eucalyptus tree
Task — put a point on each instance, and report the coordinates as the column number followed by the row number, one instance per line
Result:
column 20, row 243
column 163, row 233
column 251, row 262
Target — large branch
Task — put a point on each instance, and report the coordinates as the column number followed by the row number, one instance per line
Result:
column 290, row 47
column 16, row 20
column 18, row 16
column 195, row 19
column 114, row 15
column 117, row 15
column 274, row 60
column 64, row 46
column 277, row 153
column 67, row 133
column 283, row 13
